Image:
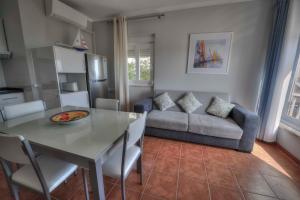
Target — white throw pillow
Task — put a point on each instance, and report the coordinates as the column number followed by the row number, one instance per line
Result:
column 164, row 102
column 219, row 107
column 189, row 103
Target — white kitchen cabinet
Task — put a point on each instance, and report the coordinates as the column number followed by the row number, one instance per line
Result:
column 69, row 60
column 11, row 99
column 80, row 99
column 54, row 66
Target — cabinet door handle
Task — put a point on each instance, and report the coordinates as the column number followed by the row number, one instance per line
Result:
column 10, row 98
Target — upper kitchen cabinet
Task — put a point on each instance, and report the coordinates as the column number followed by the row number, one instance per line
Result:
column 69, row 60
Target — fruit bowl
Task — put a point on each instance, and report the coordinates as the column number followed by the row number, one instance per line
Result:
column 68, row 117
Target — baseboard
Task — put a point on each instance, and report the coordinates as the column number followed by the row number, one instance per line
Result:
column 260, row 140
column 291, row 156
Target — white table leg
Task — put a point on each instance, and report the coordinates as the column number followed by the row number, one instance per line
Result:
column 96, row 178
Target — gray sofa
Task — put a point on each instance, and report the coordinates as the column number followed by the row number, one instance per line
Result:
column 238, row 131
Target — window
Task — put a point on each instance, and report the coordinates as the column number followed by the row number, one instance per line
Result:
column 291, row 114
column 140, row 60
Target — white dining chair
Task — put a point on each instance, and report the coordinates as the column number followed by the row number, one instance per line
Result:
column 122, row 159
column 107, row 104
column 39, row 173
column 22, row 109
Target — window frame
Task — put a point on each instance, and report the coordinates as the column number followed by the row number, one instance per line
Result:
column 285, row 118
column 137, row 46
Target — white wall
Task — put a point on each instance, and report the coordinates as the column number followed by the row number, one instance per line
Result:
column 289, row 141
column 285, row 138
column 250, row 23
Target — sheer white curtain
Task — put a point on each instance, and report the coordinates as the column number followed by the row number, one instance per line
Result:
column 120, row 61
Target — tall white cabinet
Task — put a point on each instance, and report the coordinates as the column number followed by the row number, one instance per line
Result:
column 55, row 66
column 69, row 60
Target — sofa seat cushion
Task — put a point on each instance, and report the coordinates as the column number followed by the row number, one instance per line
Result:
column 214, row 126
column 171, row 120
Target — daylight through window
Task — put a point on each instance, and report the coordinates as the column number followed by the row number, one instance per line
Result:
column 140, row 60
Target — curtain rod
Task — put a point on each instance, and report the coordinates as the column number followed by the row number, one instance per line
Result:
column 158, row 16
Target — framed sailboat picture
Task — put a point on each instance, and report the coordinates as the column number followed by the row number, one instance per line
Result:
column 209, row 53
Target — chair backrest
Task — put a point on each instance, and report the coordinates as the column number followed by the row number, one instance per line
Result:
column 17, row 149
column 12, row 149
column 136, row 129
column 107, row 104
column 18, row 110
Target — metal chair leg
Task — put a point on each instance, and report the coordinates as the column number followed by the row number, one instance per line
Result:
column 15, row 192
column 47, row 196
column 123, row 189
column 140, row 169
column 86, row 187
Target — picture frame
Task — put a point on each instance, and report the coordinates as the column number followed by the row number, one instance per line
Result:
column 209, row 53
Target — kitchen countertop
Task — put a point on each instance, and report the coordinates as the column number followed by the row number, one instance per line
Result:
column 7, row 90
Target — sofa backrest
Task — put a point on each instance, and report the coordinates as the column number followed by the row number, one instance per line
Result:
column 203, row 97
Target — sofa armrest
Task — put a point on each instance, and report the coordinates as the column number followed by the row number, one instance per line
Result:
column 249, row 122
column 143, row 105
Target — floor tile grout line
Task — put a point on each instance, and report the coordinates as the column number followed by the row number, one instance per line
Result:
column 263, row 176
column 143, row 191
column 238, row 184
column 269, row 185
column 151, row 171
column 111, row 189
column 206, row 174
column 265, row 195
column 178, row 173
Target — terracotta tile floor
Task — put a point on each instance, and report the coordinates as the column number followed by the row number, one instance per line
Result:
column 178, row 170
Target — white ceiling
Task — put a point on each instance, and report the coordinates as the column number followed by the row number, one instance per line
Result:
column 99, row 10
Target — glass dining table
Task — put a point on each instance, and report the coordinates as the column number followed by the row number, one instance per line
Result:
column 85, row 143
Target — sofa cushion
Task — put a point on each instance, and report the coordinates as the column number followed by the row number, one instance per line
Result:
column 163, row 101
column 214, row 126
column 177, row 121
column 189, row 103
column 219, row 107
column 203, row 97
